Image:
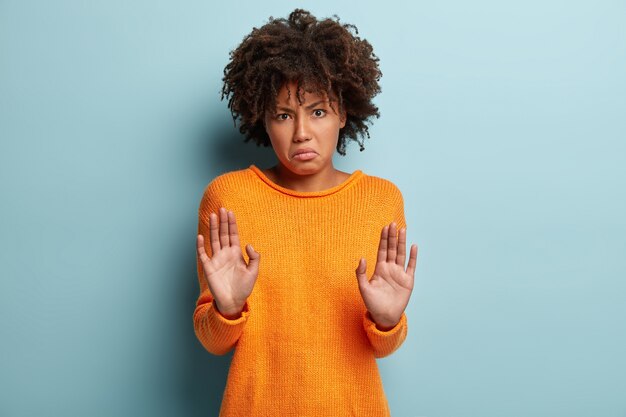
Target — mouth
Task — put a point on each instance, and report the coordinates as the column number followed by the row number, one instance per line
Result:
column 304, row 154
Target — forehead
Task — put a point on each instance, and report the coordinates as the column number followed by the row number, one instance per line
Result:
column 287, row 94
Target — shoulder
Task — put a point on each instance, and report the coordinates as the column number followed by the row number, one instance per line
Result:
column 226, row 183
column 388, row 200
column 383, row 186
column 222, row 190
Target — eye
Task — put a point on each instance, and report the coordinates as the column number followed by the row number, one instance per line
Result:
column 319, row 112
column 280, row 116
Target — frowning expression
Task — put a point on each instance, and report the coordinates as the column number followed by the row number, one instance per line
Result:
column 311, row 126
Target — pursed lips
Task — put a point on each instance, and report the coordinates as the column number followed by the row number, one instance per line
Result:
column 303, row 150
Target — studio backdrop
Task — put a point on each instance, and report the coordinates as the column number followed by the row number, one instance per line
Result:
column 502, row 123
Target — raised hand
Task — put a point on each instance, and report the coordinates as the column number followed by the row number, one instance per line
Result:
column 230, row 280
column 387, row 293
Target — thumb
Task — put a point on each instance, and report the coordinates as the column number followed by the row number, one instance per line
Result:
column 361, row 275
column 254, row 256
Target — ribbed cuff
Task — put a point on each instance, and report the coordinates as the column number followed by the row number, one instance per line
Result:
column 385, row 342
column 225, row 330
column 244, row 313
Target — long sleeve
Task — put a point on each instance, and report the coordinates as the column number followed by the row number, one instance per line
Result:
column 386, row 342
column 217, row 334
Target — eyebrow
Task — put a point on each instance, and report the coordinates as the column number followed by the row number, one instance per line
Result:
column 310, row 106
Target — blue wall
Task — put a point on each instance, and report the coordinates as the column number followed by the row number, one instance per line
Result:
column 503, row 123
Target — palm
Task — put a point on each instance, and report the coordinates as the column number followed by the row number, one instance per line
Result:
column 229, row 278
column 387, row 293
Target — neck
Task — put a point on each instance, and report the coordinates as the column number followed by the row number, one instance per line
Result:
column 318, row 181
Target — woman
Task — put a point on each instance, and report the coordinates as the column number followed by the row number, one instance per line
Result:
column 305, row 332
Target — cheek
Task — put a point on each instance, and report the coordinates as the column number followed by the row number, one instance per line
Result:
column 278, row 136
column 332, row 130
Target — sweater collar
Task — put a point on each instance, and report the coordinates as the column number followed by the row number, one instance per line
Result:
column 345, row 184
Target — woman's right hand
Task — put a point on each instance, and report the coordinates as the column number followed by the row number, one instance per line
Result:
column 230, row 280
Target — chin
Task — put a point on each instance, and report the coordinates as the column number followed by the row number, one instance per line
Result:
column 302, row 169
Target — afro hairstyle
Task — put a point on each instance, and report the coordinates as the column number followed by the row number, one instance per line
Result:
column 321, row 56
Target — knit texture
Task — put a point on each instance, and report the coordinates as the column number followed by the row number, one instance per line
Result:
column 304, row 344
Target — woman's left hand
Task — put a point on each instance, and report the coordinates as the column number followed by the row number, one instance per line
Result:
column 387, row 293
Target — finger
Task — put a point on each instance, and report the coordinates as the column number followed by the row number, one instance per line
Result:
column 215, row 240
column 200, row 246
column 361, row 275
column 392, row 245
column 232, row 229
column 382, row 245
column 254, row 256
column 224, row 239
column 401, row 247
column 412, row 260
column 204, row 258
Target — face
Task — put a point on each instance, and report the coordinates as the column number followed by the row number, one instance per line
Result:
column 312, row 125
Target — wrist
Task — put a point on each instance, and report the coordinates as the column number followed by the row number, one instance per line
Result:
column 383, row 324
column 230, row 313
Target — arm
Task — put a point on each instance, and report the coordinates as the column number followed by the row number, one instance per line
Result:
column 386, row 334
column 218, row 333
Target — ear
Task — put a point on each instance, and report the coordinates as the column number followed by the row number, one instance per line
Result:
column 343, row 118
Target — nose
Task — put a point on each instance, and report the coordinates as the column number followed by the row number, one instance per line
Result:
column 301, row 129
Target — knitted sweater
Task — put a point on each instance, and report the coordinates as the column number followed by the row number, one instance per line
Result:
column 304, row 343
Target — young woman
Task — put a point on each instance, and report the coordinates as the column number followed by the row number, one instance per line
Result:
column 303, row 309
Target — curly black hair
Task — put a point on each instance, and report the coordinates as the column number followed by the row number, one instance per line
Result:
column 322, row 56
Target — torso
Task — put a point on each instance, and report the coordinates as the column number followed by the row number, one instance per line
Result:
column 306, row 347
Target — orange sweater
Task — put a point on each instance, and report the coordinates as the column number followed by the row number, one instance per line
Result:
column 304, row 344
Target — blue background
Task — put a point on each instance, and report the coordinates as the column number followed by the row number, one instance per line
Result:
column 503, row 124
